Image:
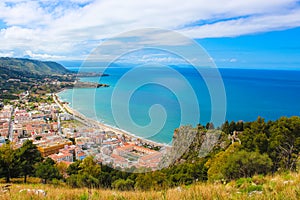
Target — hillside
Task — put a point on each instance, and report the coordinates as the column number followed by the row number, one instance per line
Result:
column 32, row 66
column 18, row 75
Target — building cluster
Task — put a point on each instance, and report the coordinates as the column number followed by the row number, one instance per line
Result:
column 109, row 148
column 5, row 119
column 132, row 155
column 64, row 144
column 38, row 123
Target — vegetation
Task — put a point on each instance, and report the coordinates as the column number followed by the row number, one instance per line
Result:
column 34, row 66
column 27, row 157
column 7, row 165
column 47, row 170
column 245, row 156
column 18, row 75
column 234, row 163
column 279, row 186
column 19, row 162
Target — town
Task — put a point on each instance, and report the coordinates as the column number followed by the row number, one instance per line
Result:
column 64, row 135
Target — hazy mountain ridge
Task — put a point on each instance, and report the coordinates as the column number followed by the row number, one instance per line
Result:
column 32, row 66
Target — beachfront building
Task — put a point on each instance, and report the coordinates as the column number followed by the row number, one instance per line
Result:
column 65, row 116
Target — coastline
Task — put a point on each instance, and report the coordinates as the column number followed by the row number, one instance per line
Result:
column 100, row 125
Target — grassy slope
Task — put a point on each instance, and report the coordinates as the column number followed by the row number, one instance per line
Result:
column 285, row 186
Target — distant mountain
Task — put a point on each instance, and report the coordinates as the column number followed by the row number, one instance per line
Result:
column 25, row 65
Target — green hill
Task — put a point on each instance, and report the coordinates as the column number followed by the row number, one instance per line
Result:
column 32, row 66
column 18, row 75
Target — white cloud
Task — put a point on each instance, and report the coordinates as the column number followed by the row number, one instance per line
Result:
column 27, row 13
column 253, row 24
column 74, row 27
column 18, row 33
column 7, row 54
column 42, row 56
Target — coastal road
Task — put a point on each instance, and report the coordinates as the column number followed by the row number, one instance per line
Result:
column 85, row 122
column 91, row 123
column 57, row 103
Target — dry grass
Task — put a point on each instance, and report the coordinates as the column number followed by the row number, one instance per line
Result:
column 285, row 186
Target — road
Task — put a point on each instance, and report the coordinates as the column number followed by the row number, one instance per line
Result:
column 74, row 116
column 10, row 127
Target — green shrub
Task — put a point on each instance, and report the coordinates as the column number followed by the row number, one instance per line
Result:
column 242, row 181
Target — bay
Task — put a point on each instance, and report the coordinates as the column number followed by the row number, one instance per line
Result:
column 249, row 93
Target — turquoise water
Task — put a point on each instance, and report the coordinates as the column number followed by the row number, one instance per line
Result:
column 249, row 94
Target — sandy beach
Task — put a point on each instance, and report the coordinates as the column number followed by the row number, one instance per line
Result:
column 96, row 124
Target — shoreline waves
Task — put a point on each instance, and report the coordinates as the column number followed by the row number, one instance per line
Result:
column 100, row 125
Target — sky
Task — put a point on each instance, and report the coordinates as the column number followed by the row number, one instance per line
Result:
column 248, row 33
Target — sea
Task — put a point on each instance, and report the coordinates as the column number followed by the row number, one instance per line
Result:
column 151, row 102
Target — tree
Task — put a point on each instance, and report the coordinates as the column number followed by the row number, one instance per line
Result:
column 28, row 156
column 225, row 128
column 232, row 127
column 254, row 137
column 246, row 164
column 285, row 142
column 74, row 168
column 235, row 163
column 105, row 179
column 239, row 126
column 261, row 142
column 160, row 180
column 7, row 161
column 200, row 127
column 215, row 165
column 62, row 168
column 123, row 185
column 47, row 170
column 84, row 173
column 87, row 180
column 89, row 166
column 209, row 126
column 144, row 181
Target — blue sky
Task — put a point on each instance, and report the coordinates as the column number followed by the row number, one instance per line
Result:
column 245, row 34
column 274, row 49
